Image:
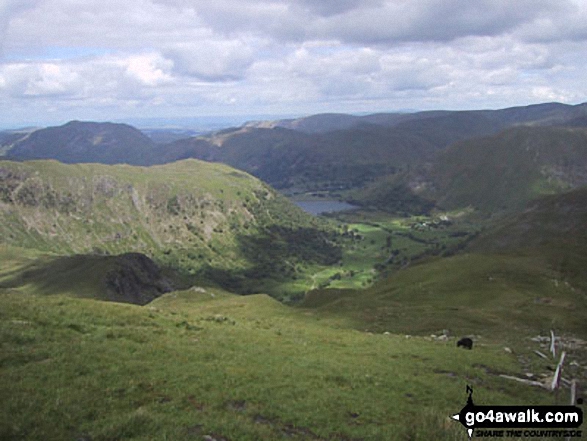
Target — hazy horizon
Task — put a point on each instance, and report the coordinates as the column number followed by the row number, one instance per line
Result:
column 214, row 122
column 108, row 60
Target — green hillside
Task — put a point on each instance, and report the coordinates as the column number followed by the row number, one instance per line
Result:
column 206, row 365
column 128, row 278
column 553, row 227
column 500, row 297
column 207, row 221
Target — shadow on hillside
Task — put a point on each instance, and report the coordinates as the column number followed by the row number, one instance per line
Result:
column 128, row 278
column 277, row 255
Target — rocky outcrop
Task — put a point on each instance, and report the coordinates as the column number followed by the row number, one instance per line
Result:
column 136, row 279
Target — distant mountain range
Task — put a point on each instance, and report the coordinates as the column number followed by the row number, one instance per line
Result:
column 288, row 159
column 537, row 114
column 77, row 142
column 488, row 159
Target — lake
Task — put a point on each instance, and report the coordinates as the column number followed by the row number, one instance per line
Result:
column 320, row 207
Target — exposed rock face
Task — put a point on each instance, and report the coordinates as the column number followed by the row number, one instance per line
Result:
column 136, row 279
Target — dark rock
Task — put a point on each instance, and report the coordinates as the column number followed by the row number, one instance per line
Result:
column 136, row 279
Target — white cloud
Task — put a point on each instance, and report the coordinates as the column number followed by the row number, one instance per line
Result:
column 106, row 77
column 113, row 24
column 567, row 22
column 213, row 60
column 202, row 56
column 369, row 21
column 8, row 10
column 149, row 69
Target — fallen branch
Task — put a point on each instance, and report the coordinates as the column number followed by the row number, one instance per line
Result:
column 540, row 354
column 523, row 380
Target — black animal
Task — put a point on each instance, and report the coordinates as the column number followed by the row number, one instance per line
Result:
column 465, row 342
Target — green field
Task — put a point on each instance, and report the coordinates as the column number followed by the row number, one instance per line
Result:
column 376, row 244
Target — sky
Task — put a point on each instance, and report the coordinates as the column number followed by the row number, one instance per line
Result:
column 115, row 59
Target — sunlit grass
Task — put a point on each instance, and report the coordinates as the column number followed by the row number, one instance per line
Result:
column 199, row 363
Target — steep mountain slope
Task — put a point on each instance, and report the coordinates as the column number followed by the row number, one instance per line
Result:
column 321, row 123
column 286, row 158
column 9, row 137
column 397, row 193
column 78, row 141
column 507, row 170
column 267, row 153
column 447, row 128
column 492, row 174
column 521, row 277
column 553, row 226
column 208, row 221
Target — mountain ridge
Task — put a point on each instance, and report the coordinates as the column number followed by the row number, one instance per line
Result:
column 208, row 221
column 543, row 113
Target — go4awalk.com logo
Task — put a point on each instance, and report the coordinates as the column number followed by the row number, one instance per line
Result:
column 520, row 421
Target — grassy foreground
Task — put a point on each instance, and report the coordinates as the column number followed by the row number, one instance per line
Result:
column 206, row 365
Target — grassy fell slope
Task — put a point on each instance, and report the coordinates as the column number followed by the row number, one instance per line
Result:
column 205, row 220
column 554, row 227
column 499, row 297
column 203, row 364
